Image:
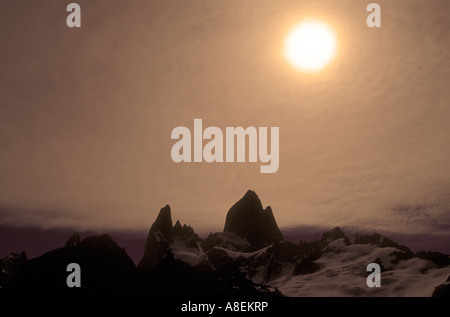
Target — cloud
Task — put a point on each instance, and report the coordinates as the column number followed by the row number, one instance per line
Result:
column 85, row 128
column 432, row 217
column 41, row 218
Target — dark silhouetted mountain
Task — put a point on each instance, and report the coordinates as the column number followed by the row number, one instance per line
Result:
column 381, row 241
column 306, row 266
column 400, row 256
column 439, row 259
column 105, row 268
column 249, row 258
column 249, row 220
column 313, row 248
column 73, row 240
column 175, row 278
column 333, row 235
column 218, row 257
column 187, row 234
column 163, row 223
column 183, row 230
column 10, row 265
column 227, row 240
column 287, row 251
column 158, row 240
column 442, row 290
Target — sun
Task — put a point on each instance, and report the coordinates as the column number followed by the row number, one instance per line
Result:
column 310, row 46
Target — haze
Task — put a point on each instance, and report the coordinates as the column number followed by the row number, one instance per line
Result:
column 86, row 114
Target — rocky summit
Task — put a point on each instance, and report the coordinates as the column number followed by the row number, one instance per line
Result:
column 159, row 238
column 249, row 220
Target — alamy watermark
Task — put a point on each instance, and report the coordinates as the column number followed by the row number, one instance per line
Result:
column 374, row 278
column 74, row 18
column 231, row 149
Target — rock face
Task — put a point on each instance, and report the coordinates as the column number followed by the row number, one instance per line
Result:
column 439, row 259
column 442, row 290
column 306, row 266
column 187, row 235
column 73, row 240
column 10, row 265
column 381, row 241
column 249, row 220
column 159, row 238
column 227, row 240
column 333, row 235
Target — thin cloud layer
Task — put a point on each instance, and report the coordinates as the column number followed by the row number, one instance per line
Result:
column 86, row 114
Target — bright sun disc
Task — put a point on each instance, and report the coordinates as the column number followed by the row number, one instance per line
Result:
column 310, row 45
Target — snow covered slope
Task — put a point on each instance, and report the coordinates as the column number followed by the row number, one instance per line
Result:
column 343, row 273
column 340, row 269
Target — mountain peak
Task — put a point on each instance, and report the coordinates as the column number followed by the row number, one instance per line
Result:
column 251, row 200
column 163, row 223
column 177, row 227
column 73, row 240
column 158, row 240
column 247, row 219
column 251, row 194
column 332, row 235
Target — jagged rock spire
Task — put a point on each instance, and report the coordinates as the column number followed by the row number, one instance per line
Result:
column 248, row 219
column 158, row 240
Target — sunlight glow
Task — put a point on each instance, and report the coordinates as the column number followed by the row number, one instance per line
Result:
column 310, row 45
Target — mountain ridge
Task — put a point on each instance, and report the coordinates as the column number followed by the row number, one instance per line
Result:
column 257, row 261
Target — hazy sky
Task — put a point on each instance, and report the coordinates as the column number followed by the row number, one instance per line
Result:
column 86, row 114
